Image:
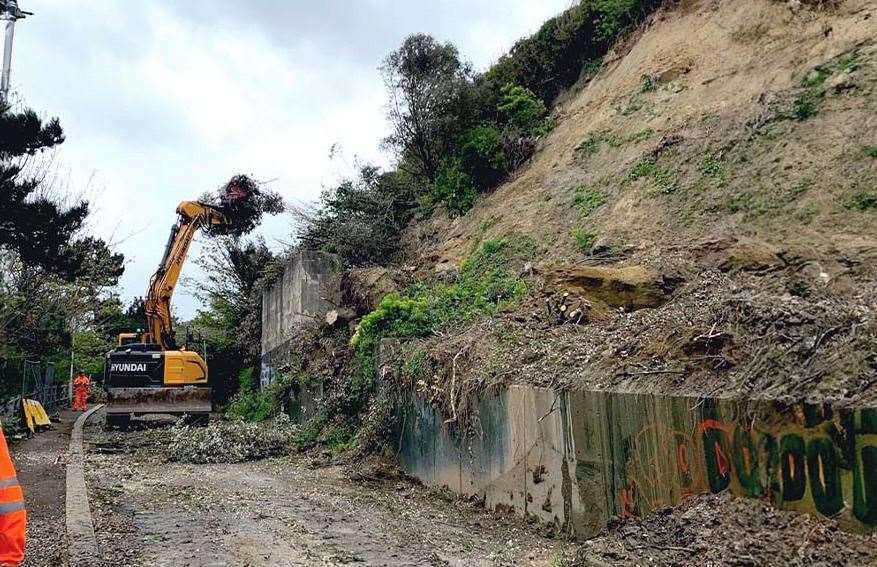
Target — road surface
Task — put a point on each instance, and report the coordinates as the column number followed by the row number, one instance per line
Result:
column 281, row 512
column 41, row 466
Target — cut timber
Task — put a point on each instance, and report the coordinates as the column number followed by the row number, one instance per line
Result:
column 340, row 315
column 632, row 288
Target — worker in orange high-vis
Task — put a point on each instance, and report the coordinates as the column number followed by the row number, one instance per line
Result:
column 13, row 518
column 80, row 392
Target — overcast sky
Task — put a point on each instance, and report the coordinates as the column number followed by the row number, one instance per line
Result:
column 162, row 100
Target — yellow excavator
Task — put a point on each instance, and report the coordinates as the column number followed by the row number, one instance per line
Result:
column 149, row 373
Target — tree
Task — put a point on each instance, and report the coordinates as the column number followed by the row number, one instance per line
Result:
column 52, row 273
column 231, row 325
column 113, row 318
column 40, row 229
column 429, row 88
column 360, row 219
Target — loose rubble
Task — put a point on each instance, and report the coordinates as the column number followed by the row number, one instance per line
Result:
column 724, row 530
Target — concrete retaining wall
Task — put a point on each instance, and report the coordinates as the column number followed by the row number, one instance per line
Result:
column 578, row 459
column 309, row 287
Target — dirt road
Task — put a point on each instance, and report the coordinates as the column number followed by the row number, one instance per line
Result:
column 41, row 466
column 281, row 512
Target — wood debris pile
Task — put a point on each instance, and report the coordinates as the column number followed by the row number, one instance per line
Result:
column 225, row 441
column 561, row 308
column 243, row 201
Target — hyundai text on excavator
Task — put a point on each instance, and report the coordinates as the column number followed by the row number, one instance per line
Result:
column 149, row 373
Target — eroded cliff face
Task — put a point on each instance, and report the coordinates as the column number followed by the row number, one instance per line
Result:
column 721, row 167
column 717, row 120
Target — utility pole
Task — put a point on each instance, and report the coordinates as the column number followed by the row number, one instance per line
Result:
column 9, row 13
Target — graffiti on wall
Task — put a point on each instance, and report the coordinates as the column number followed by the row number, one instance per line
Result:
column 815, row 460
column 586, row 457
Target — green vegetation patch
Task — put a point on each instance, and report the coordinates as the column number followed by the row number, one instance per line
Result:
column 664, row 180
column 808, row 103
column 863, row 201
column 524, row 110
column 712, row 167
column 596, row 140
column 453, row 186
column 252, row 403
column 587, row 200
column 584, row 238
column 486, row 284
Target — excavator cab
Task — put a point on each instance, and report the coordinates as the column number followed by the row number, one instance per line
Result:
column 128, row 338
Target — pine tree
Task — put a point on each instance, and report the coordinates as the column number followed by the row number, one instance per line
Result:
column 42, row 231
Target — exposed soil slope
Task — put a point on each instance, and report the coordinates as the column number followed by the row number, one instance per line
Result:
column 728, row 146
column 704, row 90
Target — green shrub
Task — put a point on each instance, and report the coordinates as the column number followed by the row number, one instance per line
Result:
column 640, row 136
column 247, row 379
column 483, row 156
column 310, row 432
column 454, row 187
column 595, row 140
column 591, row 145
column 712, row 166
column 564, row 48
column 486, row 283
column 395, row 316
column 648, row 168
column 584, row 239
column 265, row 403
column 807, row 104
column 521, row 108
column 647, row 84
column 615, row 17
column 361, row 218
column 870, row 151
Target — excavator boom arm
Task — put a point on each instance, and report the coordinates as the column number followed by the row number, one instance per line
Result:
column 192, row 217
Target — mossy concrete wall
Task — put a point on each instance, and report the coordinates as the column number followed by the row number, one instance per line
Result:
column 578, row 459
column 309, row 287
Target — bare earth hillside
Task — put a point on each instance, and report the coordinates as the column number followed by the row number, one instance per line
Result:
column 727, row 154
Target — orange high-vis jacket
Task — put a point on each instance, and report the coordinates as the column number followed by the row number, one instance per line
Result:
column 81, row 381
column 13, row 518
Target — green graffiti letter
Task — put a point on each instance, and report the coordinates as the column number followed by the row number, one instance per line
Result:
column 824, row 476
column 792, row 464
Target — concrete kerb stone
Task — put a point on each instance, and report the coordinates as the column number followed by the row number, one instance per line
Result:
column 82, row 543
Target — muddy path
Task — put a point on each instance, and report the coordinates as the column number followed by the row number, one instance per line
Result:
column 283, row 512
column 41, row 463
